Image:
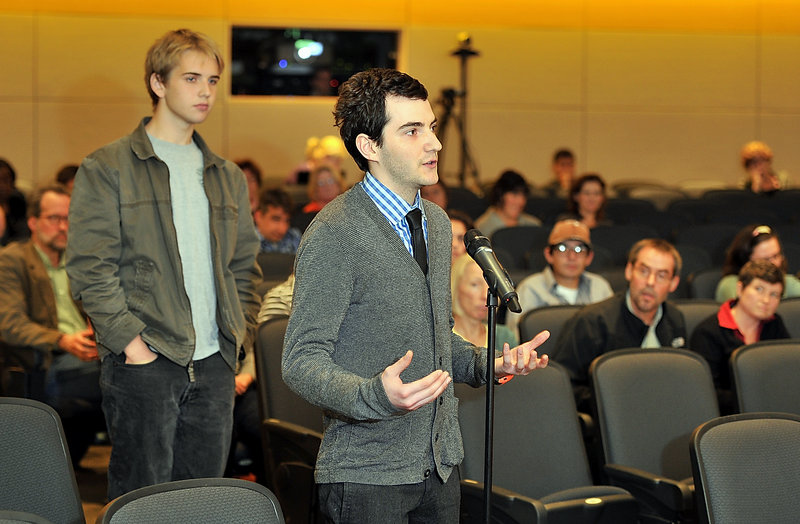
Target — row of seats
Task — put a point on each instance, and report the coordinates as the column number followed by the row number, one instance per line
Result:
column 542, row 469
column 648, row 404
column 37, row 482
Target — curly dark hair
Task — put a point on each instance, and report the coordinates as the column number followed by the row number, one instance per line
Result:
column 361, row 107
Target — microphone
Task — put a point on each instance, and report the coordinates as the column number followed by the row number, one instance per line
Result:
column 480, row 249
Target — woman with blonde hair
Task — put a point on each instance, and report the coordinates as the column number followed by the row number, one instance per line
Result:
column 468, row 289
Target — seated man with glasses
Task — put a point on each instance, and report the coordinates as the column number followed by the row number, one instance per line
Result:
column 639, row 317
column 564, row 280
column 44, row 335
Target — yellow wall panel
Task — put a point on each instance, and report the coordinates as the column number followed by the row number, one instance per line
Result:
column 180, row 8
column 341, row 13
column 780, row 73
column 17, row 139
column 664, row 70
column 17, row 79
column 507, row 13
column 780, row 16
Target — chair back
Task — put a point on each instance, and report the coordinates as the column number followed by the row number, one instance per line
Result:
column 464, row 200
column 694, row 311
column 517, row 241
column 789, row 310
column 275, row 397
column 648, row 403
column 36, row 474
column 747, row 468
column 539, row 407
column 292, row 456
column 714, row 238
column 703, row 284
column 618, row 239
column 195, row 500
column 276, row 266
column 551, row 318
column 765, row 376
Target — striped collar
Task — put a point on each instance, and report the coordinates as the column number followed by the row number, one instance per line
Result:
column 394, row 208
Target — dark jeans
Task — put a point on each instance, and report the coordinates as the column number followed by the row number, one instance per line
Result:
column 73, row 389
column 428, row 501
column 164, row 422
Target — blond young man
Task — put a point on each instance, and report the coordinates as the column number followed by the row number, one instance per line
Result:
column 162, row 253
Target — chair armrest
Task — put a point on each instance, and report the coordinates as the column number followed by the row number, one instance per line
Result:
column 670, row 493
column 506, row 505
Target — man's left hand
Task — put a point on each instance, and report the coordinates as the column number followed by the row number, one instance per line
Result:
column 522, row 359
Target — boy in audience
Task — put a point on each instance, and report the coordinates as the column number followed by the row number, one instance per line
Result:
column 272, row 222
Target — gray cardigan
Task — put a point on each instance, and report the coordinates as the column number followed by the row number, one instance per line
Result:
column 360, row 302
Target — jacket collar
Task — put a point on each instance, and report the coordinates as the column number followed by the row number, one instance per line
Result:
column 143, row 149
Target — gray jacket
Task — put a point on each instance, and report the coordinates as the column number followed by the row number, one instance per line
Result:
column 122, row 254
column 360, row 303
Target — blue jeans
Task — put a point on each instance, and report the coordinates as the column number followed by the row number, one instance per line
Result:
column 166, row 422
column 428, row 501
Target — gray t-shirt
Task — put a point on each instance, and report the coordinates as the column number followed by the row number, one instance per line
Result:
column 190, row 216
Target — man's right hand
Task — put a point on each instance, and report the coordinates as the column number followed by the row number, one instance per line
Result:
column 80, row 344
column 415, row 394
column 137, row 352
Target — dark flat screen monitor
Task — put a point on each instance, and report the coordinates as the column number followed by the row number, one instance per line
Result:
column 304, row 62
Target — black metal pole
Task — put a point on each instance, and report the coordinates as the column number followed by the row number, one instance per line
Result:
column 491, row 303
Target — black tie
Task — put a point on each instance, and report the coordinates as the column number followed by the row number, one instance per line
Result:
column 414, row 219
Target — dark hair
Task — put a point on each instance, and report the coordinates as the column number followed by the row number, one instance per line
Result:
column 577, row 186
column 455, row 214
column 763, row 269
column 246, row 164
column 35, row 206
column 66, row 174
column 659, row 244
column 5, row 164
column 275, row 197
column 361, row 107
column 509, row 181
column 562, row 153
column 743, row 244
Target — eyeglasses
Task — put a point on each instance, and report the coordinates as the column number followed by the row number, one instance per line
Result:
column 644, row 272
column 55, row 220
column 579, row 249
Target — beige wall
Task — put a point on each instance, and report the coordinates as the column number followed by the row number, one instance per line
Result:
column 666, row 91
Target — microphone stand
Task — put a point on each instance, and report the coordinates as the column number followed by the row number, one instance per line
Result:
column 491, row 303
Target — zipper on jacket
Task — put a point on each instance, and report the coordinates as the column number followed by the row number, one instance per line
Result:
column 190, row 370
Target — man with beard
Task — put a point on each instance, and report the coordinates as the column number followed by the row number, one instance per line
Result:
column 640, row 317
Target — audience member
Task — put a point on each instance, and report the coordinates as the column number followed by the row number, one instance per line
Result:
column 757, row 163
column 508, row 198
column 272, row 222
column 13, row 203
column 639, row 317
column 325, row 184
column 366, row 309
column 162, row 251
column 253, row 174
column 328, row 150
column 563, row 168
column 468, row 290
column 436, row 193
column 754, row 242
column 42, row 330
column 66, row 176
column 460, row 223
column 587, row 200
column 746, row 319
column 565, row 279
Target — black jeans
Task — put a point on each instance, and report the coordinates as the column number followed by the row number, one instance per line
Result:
column 166, row 422
column 428, row 501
